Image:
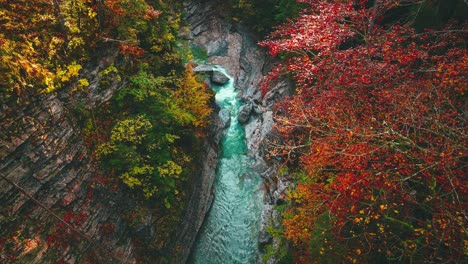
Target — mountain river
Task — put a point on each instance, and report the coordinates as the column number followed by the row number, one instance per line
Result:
column 230, row 231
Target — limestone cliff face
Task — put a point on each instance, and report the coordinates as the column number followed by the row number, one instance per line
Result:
column 201, row 196
column 43, row 153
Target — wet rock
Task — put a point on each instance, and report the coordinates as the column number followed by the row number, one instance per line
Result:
column 244, row 113
column 219, row 78
column 225, row 116
column 216, row 77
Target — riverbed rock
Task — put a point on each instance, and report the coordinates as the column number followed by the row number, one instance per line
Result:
column 225, row 117
column 219, row 78
column 244, row 113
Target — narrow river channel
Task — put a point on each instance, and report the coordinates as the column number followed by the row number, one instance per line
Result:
column 230, row 232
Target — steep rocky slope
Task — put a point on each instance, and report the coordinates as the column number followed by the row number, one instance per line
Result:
column 56, row 204
column 42, row 151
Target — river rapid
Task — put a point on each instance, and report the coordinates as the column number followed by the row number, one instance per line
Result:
column 230, row 231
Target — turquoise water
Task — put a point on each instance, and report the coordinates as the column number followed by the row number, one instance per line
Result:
column 230, row 231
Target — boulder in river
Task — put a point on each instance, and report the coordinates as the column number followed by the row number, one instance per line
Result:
column 225, row 116
column 218, row 77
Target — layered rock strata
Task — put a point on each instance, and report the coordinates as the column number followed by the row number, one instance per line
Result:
column 47, row 176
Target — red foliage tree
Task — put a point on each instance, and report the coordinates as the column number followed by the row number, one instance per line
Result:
column 378, row 123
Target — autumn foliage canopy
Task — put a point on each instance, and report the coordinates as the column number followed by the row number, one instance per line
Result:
column 377, row 132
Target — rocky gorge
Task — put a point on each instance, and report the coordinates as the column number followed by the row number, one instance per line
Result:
column 235, row 48
column 50, row 179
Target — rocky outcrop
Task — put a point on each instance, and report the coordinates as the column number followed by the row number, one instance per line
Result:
column 225, row 117
column 210, row 32
column 203, row 68
column 260, row 134
column 260, row 126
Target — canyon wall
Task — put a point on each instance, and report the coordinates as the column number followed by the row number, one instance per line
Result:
column 42, row 152
column 55, row 202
